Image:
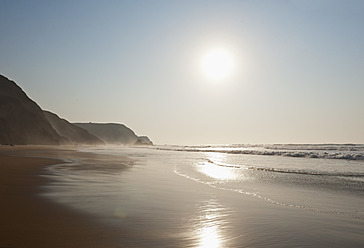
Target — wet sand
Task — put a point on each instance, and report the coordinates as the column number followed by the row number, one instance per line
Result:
column 28, row 220
column 134, row 198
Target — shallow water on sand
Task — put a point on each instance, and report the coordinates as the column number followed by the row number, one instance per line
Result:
column 162, row 198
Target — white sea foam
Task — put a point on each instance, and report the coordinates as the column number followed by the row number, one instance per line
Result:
column 327, row 151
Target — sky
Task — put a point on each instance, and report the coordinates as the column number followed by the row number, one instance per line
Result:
column 296, row 76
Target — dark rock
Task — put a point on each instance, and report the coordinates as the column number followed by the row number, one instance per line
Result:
column 143, row 140
column 110, row 133
column 22, row 121
column 71, row 134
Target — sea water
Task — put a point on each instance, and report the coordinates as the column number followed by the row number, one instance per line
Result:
column 219, row 196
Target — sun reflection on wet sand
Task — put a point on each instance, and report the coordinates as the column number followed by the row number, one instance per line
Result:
column 216, row 168
column 209, row 237
column 210, row 225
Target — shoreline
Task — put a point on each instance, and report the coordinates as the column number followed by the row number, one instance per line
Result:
column 135, row 198
column 29, row 220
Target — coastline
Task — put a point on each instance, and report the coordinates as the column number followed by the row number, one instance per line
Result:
column 29, row 220
column 135, row 197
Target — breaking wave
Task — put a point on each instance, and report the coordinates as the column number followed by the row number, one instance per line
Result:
column 348, row 151
column 290, row 171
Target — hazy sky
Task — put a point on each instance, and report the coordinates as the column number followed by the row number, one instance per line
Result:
column 297, row 66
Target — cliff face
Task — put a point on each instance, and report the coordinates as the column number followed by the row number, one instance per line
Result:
column 110, row 133
column 22, row 121
column 144, row 140
column 72, row 134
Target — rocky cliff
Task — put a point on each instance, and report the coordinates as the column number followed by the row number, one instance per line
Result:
column 143, row 140
column 110, row 133
column 22, row 121
column 72, row 134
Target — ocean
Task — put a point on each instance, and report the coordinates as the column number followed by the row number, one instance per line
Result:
column 218, row 195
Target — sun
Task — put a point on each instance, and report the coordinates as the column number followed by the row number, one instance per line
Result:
column 217, row 64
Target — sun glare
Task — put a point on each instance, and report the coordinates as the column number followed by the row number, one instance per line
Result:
column 217, row 64
column 215, row 168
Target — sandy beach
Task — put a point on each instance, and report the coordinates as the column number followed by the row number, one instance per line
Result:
column 139, row 197
column 28, row 220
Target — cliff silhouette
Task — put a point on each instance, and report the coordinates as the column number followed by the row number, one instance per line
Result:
column 23, row 122
column 111, row 133
column 70, row 133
